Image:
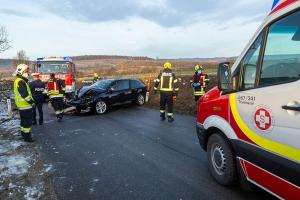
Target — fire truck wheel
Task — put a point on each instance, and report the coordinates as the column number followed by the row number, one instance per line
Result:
column 101, row 107
column 221, row 159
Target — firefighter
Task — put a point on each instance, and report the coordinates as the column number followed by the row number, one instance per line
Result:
column 37, row 88
column 24, row 101
column 167, row 83
column 56, row 95
column 96, row 78
column 199, row 82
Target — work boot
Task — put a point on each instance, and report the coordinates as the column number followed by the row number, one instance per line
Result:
column 23, row 135
column 28, row 138
column 162, row 117
column 170, row 119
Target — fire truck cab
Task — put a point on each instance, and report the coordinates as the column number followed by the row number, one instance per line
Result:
column 62, row 67
column 250, row 124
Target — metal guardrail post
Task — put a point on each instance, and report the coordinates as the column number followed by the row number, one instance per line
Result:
column 9, row 109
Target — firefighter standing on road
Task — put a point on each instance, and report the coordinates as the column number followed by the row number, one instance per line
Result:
column 24, row 101
column 199, row 82
column 56, row 95
column 37, row 88
column 167, row 83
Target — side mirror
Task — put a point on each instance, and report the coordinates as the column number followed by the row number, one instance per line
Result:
column 224, row 77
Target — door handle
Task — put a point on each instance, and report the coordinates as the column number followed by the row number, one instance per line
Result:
column 293, row 108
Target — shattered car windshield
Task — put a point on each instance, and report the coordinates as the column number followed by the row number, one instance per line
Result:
column 103, row 84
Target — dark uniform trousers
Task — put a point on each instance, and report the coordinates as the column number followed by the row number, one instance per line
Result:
column 58, row 105
column 26, row 120
column 39, row 106
column 166, row 98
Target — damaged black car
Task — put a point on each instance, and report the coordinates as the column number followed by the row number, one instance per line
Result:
column 104, row 94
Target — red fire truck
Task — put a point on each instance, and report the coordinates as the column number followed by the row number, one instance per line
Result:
column 62, row 67
column 250, row 124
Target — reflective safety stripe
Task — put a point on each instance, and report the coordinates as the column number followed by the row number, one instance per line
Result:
column 161, row 82
column 155, row 88
column 176, row 80
column 166, row 90
column 157, row 80
column 25, row 130
column 162, row 111
column 176, row 89
column 170, row 82
column 56, row 96
column 170, row 114
column 59, row 112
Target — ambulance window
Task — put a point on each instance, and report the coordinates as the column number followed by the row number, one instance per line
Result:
column 250, row 63
column 281, row 63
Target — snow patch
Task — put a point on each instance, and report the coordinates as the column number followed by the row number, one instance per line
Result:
column 33, row 193
column 13, row 165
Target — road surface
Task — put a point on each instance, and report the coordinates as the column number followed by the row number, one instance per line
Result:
column 129, row 154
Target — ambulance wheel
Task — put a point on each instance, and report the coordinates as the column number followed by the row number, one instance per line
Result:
column 101, row 107
column 140, row 100
column 221, row 159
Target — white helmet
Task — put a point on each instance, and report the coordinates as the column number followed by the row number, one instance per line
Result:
column 21, row 68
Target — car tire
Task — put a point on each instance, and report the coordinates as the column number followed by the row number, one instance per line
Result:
column 140, row 100
column 222, row 160
column 101, row 107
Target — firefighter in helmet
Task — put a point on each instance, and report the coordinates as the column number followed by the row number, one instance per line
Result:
column 95, row 78
column 56, row 90
column 199, row 82
column 167, row 83
column 24, row 101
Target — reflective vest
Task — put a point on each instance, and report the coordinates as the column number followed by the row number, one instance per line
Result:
column 22, row 103
column 203, row 81
column 167, row 81
column 53, row 89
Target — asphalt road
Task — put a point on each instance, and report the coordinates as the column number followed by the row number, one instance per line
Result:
column 129, row 154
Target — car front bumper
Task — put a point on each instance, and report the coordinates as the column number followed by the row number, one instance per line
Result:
column 201, row 132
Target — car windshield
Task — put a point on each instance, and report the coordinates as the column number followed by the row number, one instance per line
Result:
column 53, row 67
column 103, row 84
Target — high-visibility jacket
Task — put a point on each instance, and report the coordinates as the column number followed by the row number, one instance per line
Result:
column 22, row 94
column 166, row 82
column 54, row 89
column 199, row 82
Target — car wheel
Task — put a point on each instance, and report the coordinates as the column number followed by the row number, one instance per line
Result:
column 221, row 159
column 101, row 107
column 140, row 100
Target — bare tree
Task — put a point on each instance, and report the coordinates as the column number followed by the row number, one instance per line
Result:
column 4, row 43
column 21, row 58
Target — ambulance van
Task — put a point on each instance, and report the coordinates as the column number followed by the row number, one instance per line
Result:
column 250, row 124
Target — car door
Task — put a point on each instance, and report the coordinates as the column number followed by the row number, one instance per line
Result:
column 136, row 88
column 266, row 107
column 127, row 91
column 117, row 93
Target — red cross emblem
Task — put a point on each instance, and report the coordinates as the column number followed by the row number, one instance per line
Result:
column 263, row 119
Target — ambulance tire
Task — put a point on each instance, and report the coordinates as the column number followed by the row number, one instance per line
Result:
column 221, row 159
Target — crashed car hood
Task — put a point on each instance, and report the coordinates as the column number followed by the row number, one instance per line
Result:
column 88, row 89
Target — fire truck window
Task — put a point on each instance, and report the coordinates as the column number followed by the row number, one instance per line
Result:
column 250, row 63
column 281, row 63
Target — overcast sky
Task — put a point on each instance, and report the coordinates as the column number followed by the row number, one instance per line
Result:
column 155, row 28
